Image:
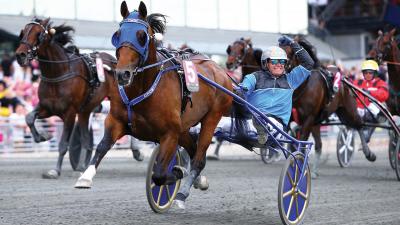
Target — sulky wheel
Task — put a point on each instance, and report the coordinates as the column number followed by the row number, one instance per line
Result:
column 161, row 198
column 345, row 146
column 397, row 159
column 392, row 148
column 294, row 196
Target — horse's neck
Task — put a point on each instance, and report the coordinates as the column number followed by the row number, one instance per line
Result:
column 54, row 53
column 394, row 70
column 249, row 64
column 143, row 81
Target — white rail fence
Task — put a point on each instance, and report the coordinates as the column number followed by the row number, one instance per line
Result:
column 16, row 137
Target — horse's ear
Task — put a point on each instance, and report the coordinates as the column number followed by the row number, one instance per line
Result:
column 380, row 33
column 248, row 41
column 228, row 50
column 124, row 10
column 141, row 37
column 142, row 10
column 46, row 21
column 21, row 34
column 392, row 32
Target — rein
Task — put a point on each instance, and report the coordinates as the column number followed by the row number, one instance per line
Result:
column 393, row 63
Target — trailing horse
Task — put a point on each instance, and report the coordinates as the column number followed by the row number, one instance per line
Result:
column 386, row 49
column 313, row 104
column 69, row 84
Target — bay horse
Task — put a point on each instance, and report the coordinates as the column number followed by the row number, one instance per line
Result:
column 386, row 49
column 313, row 104
column 67, row 87
column 158, row 117
column 242, row 54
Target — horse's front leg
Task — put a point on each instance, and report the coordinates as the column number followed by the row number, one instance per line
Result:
column 30, row 121
column 168, row 148
column 114, row 129
column 69, row 120
column 198, row 159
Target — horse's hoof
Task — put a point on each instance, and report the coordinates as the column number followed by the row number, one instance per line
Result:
column 83, row 183
column 51, row 174
column 213, row 157
column 180, row 172
column 44, row 137
column 179, row 204
column 137, row 155
column 201, row 183
column 314, row 175
column 371, row 157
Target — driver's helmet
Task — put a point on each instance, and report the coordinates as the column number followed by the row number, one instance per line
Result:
column 273, row 52
column 370, row 65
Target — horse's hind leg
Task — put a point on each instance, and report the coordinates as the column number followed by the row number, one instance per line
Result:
column 85, row 139
column 69, row 120
column 114, row 129
column 316, row 133
column 367, row 152
column 30, row 121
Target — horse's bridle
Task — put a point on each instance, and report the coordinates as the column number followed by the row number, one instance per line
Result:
column 380, row 55
column 239, row 58
column 32, row 51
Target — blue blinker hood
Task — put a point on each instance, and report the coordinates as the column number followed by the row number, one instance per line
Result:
column 127, row 34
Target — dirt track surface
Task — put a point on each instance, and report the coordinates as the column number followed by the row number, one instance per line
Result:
column 243, row 190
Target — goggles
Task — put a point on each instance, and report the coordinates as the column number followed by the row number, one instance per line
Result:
column 278, row 61
column 368, row 72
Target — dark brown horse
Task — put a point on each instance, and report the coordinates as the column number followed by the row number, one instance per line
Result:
column 67, row 86
column 159, row 117
column 386, row 49
column 242, row 54
column 313, row 105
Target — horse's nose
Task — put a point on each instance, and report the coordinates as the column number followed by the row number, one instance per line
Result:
column 21, row 58
column 123, row 75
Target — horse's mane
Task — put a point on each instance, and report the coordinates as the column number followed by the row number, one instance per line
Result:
column 157, row 22
column 62, row 35
column 312, row 51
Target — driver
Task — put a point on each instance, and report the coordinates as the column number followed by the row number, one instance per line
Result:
column 271, row 89
column 374, row 86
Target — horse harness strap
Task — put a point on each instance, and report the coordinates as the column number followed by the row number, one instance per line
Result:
column 328, row 78
column 185, row 93
column 130, row 103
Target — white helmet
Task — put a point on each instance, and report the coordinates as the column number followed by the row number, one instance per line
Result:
column 273, row 52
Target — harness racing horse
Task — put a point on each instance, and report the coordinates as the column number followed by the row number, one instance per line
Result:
column 386, row 50
column 313, row 105
column 242, row 54
column 67, row 87
column 155, row 113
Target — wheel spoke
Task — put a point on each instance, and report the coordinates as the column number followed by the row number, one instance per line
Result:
column 297, row 208
column 287, row 193
column 343, row 136
column 302, row 194
column 290, row 178
column 342, row 149
column 345, row 156
column 290, row 206
column 159, row 195
column 168, row 194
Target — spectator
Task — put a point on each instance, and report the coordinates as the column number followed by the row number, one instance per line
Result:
column 6, row 65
